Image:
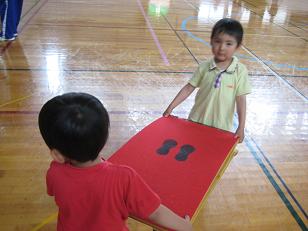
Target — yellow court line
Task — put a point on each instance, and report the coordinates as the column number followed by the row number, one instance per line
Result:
column 16, row 100
column 45, row 222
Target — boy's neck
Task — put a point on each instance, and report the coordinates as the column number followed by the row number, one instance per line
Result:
column 223, row 65
column 89, row 163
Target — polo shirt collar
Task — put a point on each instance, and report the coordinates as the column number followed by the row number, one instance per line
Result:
column 230, row 69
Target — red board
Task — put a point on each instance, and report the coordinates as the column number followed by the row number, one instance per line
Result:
column 181, row 184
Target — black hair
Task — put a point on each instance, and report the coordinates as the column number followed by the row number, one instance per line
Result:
column 229, row 26
column 76, row 124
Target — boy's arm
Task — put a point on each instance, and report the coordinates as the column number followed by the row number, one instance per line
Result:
column 241, row 112
column 180, row 97
column 166, row 218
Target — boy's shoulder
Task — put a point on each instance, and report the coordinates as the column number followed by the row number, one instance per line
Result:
column 119, row 168
column 241, row 66
column 120, row 173
column 105, row 167
column 206, row 64
column 236, row 67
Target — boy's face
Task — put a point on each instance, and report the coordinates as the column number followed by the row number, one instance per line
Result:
column 223, row 47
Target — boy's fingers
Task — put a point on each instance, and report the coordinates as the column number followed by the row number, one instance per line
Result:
column 166, row 114
column 242, row 139
column 187, row 217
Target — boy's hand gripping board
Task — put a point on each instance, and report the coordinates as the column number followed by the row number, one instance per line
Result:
column 180, row 160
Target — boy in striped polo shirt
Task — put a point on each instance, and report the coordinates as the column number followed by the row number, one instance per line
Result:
column 222, row 81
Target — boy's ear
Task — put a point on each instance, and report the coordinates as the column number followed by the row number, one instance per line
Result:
column 57, row 156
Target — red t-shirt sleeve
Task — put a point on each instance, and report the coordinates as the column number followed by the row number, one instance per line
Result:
column 49, row 178
column 141, row 200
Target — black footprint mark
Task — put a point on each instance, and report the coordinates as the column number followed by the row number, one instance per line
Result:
column 167, row 145
column 184, row 152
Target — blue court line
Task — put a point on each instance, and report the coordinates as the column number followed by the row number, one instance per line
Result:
column 280, row 178
column 276, row 186
column 249, row 144
column 268, row 62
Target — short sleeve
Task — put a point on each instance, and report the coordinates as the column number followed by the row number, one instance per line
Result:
column 49, row 180
column 243, row 83
column 196, row 78
column 141, row 200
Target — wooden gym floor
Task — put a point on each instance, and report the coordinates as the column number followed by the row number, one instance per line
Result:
column 135, row 55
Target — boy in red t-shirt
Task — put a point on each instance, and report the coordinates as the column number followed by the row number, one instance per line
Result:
column 93, row 194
